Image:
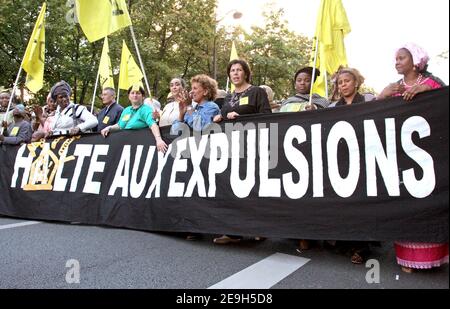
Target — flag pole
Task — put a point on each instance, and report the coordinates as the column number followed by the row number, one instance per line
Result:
column 118, row 95
column 314, row 70
column 228, row 84
column 318, row 29
column 14, row 87
column 95, row 91
column 18, row 75
column 140, row 59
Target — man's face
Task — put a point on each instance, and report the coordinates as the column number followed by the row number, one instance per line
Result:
column 4, row 99
column 107, row 97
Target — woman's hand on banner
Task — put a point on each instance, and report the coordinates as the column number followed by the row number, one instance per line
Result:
column 310, row 107
column 232, row 115
column 156, row 115
column 160, row 144
column 75, row 131
column 409, row 94
column 105, row 131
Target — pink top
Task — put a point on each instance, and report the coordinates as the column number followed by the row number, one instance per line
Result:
column 426, row 81
column 47, row 124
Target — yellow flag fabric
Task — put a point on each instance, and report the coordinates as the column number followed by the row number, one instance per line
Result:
column 33, row 61
column 331, row 28
column 130, row 73
column 320, row 85
column 233, row 56
column 99, row 18
column 105, row 68
column 137, row 86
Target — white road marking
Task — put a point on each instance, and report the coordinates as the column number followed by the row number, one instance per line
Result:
column 10, row 226
column 264, row 274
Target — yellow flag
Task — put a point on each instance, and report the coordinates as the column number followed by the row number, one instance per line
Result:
column 319, row 85
column 33, row 61
column 130, row 73
column 332, row 26
column 105, row 68
column 233, row 56
column 99, row 18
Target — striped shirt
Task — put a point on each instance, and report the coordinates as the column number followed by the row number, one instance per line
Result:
column 74, row 115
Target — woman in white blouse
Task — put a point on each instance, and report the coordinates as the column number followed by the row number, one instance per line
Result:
column 171, row 111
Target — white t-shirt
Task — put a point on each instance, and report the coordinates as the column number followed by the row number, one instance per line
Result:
column 66, row 120
column 170, row 113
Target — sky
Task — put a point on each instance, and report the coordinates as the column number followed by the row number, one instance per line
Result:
column 379, row 27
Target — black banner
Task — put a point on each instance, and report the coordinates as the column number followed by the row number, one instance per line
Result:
column 373, row 171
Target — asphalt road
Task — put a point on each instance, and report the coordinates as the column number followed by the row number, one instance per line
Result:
column 36, row 256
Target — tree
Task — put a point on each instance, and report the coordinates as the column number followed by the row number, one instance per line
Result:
column 443, row 55
column 175, row 38
column 275, row 53
column 68, row 55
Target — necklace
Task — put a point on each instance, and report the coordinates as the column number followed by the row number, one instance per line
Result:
column 418, row 81
column 236, row 97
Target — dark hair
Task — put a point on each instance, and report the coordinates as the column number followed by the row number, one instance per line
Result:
column 141, row 90
column 309, row 71
column 182, row 81
column 245, row 67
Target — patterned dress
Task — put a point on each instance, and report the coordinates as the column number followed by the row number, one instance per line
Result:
column 421, row 255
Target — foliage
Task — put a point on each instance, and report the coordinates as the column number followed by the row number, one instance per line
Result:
column 68, row 55
column 275, row 54
column 175, row 37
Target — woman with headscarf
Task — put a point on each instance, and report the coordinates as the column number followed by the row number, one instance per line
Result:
column 411, row 62
column 137, row 116
column 300, row 101
column 70, row 118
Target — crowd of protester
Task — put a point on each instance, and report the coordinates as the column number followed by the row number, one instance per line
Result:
column 204, row 104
